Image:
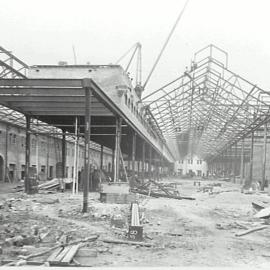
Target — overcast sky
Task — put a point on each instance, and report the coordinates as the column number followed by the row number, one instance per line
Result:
column 43, row 32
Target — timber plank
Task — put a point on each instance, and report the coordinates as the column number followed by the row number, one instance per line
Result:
column 70, row 254
column 54, row 254
column 59, row 257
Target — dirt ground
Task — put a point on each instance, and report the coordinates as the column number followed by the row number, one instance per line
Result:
column 196, row 233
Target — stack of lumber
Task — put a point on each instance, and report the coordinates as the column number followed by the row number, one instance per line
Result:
column 135, row 219
column 52, row 184
column 154, row 189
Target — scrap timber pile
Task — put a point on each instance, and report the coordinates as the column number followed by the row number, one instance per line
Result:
column 154, row 189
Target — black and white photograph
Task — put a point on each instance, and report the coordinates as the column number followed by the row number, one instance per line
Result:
column 135, row 133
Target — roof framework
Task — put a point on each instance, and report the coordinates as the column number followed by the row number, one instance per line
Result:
column 12, row 67
column 54, row 103
column 208, row 108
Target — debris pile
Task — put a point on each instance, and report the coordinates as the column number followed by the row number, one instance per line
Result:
column 154, row 189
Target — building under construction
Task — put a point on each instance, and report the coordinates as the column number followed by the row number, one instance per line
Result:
column 95, row 172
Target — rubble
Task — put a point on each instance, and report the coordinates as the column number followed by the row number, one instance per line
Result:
column 168, row 226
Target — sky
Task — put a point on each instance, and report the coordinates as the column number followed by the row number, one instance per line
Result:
column 43, row 32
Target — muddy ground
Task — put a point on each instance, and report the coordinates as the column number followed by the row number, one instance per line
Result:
column 183, row 232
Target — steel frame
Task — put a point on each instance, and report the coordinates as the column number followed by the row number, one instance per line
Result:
column 210, row 105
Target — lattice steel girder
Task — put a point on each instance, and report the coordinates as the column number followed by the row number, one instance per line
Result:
column 212, row 96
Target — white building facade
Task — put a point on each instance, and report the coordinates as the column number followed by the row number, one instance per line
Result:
column 191, row 166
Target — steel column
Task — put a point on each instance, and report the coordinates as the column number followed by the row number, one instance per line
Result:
column 6, row 155
column 143, row 160
column 264, row 157
column 235, row 163
column 87, row 87
column 75, row 165
column 150, row 163
column 117, row 148
column 27, row 155
column 113, row 163
column 101, row 157
column 251, row 158
column 133, row 156
column 64, row 146
column 242, row 161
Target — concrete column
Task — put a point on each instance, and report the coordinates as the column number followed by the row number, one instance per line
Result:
column 87, row 133
column 117, row 148
column 27, row 156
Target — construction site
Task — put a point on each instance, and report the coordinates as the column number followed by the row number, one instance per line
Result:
column 98, row 171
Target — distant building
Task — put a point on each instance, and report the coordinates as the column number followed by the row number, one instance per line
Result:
column 191, row 165
column 46, row 154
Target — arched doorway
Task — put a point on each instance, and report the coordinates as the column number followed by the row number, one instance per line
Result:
column 1, row 169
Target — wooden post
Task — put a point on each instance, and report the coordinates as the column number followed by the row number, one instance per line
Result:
column 133, row 156
column 242, row 161
column 87, row 133
column 143, row 161
column 264, row 157
column 27, row 155
column 117, row 148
